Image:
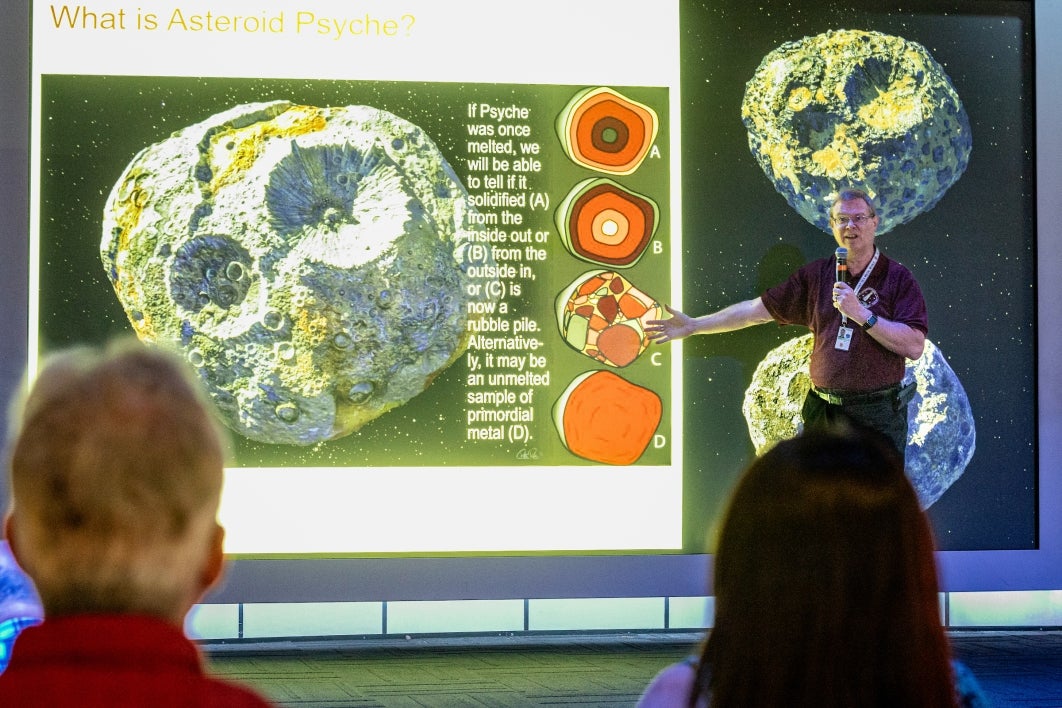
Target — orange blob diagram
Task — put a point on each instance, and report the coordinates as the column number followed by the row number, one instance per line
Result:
column 605, row 131
column 605, row 418
column 601, row 222
column 603, row 315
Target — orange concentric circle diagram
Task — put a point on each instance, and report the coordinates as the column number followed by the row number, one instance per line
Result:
column 601, row 222
column 606, row 131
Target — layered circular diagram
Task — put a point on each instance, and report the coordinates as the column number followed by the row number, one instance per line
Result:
column 602, row 222
column 606, row 131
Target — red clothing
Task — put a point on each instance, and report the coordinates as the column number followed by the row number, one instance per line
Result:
column 106, row 661
column 806, row 298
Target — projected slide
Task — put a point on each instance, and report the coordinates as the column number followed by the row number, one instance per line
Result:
column 412, row 250
column 356, row 232
column 929, row 111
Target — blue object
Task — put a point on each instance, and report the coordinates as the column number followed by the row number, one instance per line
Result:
column 9, row 631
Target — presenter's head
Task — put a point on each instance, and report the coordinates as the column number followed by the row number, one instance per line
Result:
column 854, row 221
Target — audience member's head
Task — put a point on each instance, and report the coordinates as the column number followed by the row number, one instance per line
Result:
column 825, row 583
column 116, row 473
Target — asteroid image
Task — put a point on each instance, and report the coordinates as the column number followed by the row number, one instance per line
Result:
column 310, row 262
column 940, row 434
column 862, row 109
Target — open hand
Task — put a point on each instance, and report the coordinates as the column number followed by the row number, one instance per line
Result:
column 678, row 326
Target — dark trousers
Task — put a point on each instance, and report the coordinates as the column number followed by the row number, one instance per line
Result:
column 886, row 415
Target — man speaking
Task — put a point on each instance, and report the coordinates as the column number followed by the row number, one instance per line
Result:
column 865, row 325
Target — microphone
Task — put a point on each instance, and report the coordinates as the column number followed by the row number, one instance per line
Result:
column 842, row 264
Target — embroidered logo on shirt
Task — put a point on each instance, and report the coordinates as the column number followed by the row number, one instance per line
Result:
column 869, row 297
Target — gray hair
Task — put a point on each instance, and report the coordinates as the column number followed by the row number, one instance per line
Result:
column 851, row 194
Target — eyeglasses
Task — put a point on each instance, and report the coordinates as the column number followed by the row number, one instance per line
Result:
column 857, row 220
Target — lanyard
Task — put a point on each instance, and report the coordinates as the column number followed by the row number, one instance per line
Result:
column 862, row 281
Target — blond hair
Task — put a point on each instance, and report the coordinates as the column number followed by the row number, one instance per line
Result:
column 116, row 474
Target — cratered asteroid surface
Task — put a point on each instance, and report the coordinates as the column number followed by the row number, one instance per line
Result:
column 940, row 433
column 312, row 263
column 860, row 109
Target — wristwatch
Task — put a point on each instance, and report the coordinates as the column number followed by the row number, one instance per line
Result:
column 871, row 321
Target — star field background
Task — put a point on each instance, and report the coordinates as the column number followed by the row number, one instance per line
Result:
column 973, row 254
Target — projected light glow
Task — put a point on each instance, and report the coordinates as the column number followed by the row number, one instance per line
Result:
column 362, row 267
column 556, row 165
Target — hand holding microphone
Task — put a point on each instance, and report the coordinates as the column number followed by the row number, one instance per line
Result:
column 842, row 291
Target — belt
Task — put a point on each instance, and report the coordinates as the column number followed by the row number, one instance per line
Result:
column 842, row 398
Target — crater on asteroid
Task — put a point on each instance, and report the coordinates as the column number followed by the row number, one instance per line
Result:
column 312, row 263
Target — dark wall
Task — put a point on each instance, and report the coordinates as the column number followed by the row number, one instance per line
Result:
column 14, row 181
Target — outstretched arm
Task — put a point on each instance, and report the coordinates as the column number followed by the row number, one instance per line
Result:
column 736, row 316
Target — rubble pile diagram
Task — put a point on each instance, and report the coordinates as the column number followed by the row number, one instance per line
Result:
column 603, row 315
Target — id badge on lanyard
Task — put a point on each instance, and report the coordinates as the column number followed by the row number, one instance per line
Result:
column 844, row 338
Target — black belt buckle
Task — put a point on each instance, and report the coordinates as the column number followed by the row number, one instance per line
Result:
column 828, row 397
column 868, row 397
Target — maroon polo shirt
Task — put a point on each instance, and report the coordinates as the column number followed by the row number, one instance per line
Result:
column 806, row 298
